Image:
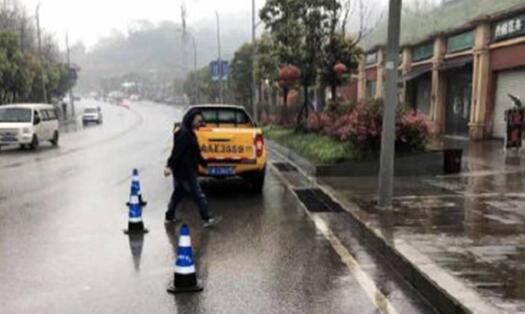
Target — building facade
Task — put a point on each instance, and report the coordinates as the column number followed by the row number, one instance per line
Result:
column 460, row 73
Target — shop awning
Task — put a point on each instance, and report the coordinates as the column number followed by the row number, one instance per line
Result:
column 455, row 63
column 417, row 72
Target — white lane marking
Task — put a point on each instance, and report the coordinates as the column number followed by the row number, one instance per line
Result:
column 377, row 298
column 455, row 288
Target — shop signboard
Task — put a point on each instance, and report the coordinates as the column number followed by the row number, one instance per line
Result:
column 461, row 42
column 423, row 52
column 509, row 28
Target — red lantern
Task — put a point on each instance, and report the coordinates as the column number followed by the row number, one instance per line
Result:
column 340, row 68
column 289, row 73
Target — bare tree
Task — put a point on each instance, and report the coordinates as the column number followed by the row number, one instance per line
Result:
column 361, row 16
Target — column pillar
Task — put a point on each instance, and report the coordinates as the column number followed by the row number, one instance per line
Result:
column 438, row 98
column 361, row 81
column 406, row 66
column 481, row 80
column 380, row 74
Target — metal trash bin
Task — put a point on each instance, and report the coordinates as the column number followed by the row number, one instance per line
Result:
column 452, row 161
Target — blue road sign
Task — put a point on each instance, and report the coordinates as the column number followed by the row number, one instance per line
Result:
column 221, row 72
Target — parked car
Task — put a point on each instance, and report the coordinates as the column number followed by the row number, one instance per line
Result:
column 28, row 125
column 92, row 115
column 231, row 143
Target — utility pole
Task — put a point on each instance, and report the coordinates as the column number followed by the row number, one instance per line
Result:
column 220, row 57
column 196, row 86
column 71, row 97
column 43, row 79
column 254, row 55
column 184, row 41
column 386, row 170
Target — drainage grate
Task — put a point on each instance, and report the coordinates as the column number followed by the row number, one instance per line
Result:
column 284, row 166
column 317, row 201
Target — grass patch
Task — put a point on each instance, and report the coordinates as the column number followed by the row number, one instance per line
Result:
column 319, row 149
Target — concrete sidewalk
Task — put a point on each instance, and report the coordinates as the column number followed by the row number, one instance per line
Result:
column 464, row 233
column 472, row 224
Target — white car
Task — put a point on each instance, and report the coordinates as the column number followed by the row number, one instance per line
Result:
column 28, row 125
column 92, row 114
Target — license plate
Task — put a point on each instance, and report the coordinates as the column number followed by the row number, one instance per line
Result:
column 220, row 171
column 7, row 138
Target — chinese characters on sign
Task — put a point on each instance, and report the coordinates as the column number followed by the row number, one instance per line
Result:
column 510, row 28
column 514, row 128
column 219, row 70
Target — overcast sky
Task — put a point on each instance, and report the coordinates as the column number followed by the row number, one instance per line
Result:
column 88, row 20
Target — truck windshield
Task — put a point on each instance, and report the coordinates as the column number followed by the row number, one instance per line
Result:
column 225, row 116
column 15, row 115
column 90, row 110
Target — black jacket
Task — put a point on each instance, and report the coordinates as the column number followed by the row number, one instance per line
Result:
column 185, row 155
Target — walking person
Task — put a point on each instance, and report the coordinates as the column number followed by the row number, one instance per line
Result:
column 64, row 110
column 183, row 165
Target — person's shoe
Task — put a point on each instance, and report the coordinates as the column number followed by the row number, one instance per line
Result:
column 212, row 221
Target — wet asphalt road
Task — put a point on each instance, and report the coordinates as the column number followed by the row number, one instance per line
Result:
column 62, row 249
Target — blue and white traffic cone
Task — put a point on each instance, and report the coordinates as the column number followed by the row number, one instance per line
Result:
column 185, row 279
column 135, row 181
column 135, row 224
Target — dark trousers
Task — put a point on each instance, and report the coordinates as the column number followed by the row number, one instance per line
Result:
column 180, row 185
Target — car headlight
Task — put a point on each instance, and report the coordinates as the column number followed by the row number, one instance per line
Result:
column 26, row 130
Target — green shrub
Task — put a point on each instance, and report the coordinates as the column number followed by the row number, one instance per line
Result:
column 319, row 149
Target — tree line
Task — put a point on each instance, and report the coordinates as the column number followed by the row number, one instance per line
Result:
column 311, row 35
column 24, row 68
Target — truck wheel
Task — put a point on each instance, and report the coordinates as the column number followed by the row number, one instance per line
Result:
column 257, row 181
column 34, row 143
column 55, row 139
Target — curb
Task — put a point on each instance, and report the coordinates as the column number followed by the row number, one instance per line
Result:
column 443, row 291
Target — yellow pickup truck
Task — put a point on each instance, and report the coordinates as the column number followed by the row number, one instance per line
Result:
column 231, row 143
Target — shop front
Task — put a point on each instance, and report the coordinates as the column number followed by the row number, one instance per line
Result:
column 458, row 100
column 511, row 82
column 508, row 66
column 419, row 89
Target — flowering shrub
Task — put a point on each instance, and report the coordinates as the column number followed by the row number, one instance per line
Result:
column 361, row 126
column 337, row 108
column 267, row 118
column 411, row 132
column 319, row 121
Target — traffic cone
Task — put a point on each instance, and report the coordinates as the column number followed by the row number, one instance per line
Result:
column 185, row 278
column 135, row 181
column 135, row 224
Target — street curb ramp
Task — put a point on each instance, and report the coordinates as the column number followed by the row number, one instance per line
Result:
column 443, row 291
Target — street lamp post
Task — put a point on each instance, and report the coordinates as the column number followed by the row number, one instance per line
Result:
column 254, row 55
column 194, row 44
column 196, row 86
column 71, row 97
column 220, row 57
column 43, row 80
column 386, row 171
